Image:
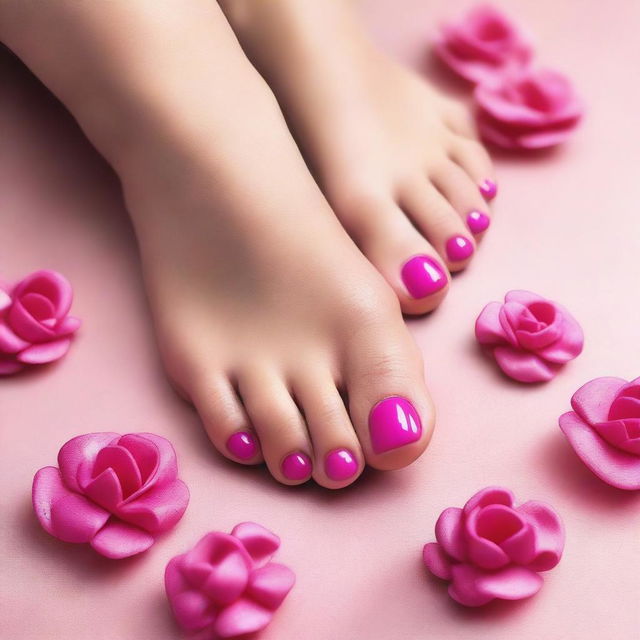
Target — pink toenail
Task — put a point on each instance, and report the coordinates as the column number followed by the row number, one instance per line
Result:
column 340, row 464
column 477, row 221
column 296, row 466
column 422, row 276
column 242, row 445
column 488, row 189
column 458, row 248
column 393, row 423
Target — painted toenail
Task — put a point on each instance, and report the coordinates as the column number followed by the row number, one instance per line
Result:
column 242, row 445
column 340, row 464
column 477, row 221
column 458, row 248
column 296, row 466
column 422, row 276
column 393, row 423
column 488, row 189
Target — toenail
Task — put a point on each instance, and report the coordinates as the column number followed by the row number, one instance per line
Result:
column 458, row 248
column 477, row 221
column 296, row 466
column 488, row 189
column 393, row 423
column 340, row 464
column 422, row 276
column 242, row 445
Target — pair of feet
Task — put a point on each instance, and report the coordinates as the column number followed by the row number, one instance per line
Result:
column 277, row 297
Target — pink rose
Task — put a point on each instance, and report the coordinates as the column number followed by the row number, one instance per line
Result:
column 527, row 110
column 530, row 337
column 604, row 429
column 114, row 492
column 34, row 325
column 226, row 585
column 491, row 549
column 483, row 45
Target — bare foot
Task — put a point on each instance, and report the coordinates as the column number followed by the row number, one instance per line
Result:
column 267, row 315
column 398, row 162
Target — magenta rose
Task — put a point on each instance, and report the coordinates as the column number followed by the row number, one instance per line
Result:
column 34, row 325
column 530, row 336
column 604, row 429
column 114, row 492
column 527, row 109
column 483, row 45
column 227, row 586
column 492, row 549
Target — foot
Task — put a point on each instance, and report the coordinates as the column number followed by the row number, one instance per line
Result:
column 290, row 345
column 398, row 162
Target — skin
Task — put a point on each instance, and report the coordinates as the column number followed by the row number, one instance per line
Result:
column 268, row 317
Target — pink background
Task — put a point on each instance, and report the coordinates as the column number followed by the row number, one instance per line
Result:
column 567, row 226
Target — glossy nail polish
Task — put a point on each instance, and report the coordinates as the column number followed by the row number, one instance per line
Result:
column 458, row 248
column 488, row 189
column 296, row 466
column 242, row 445
column 422, row 276
column 477, row 221
column 393, row 423
column 340, row 464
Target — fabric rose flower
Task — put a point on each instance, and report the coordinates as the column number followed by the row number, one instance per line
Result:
column 34, row 325
column 491, row 549
column 226, row 585
column 114, row 492
column 604, row 429
column 527, row 109
column 483, row 45
column 530, row 337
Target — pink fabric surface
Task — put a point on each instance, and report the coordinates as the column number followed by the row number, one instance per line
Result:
column 566, row 225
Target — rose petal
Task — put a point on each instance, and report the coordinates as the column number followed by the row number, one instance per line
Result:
column 463, row 587
column 523, row 296
column 450, row 533
column 570, row 343
column 50, row 284
column 488, row 328
column 615, row 467
column 487, row 496
column 258, row 541
column 5, row 299
column 270, row 584
column 593, row 399
column 26, row 326
column 193, row 610
column 62, row 513
column 227, row 577
column 241, row 617
column 624, row 434
column 9, row 367
column 522, row 366
column 105, row 490
column 158, row 509
column 120, row 540
column 511, row 583
column 436, row 560
column 78, row 450
column 549, row 534
column 68, row 326
column 481, row 551
column 45, row 352
column 121, row 461
column 9, row 342
column 520, row 547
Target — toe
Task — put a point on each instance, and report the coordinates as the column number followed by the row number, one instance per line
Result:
column 338, row 458
column 225, row 420
column 388, row 401
column 439, row 222
column 474, row 159
column 408, row 262
column 462, row 192
column 279, row 425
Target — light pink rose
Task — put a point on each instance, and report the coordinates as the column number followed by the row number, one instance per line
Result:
column 114, row 492
column 34, row 325
column 604, row 429
column 527, row 109
column 492, row 549
column 226, row 585
column 530, row 336
column 483, row 45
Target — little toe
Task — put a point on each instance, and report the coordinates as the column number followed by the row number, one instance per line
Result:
column 461, row 191
column 338, row 458
column 439, row 222
column 476, row 162
column 278, row 423
column 225, row 420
